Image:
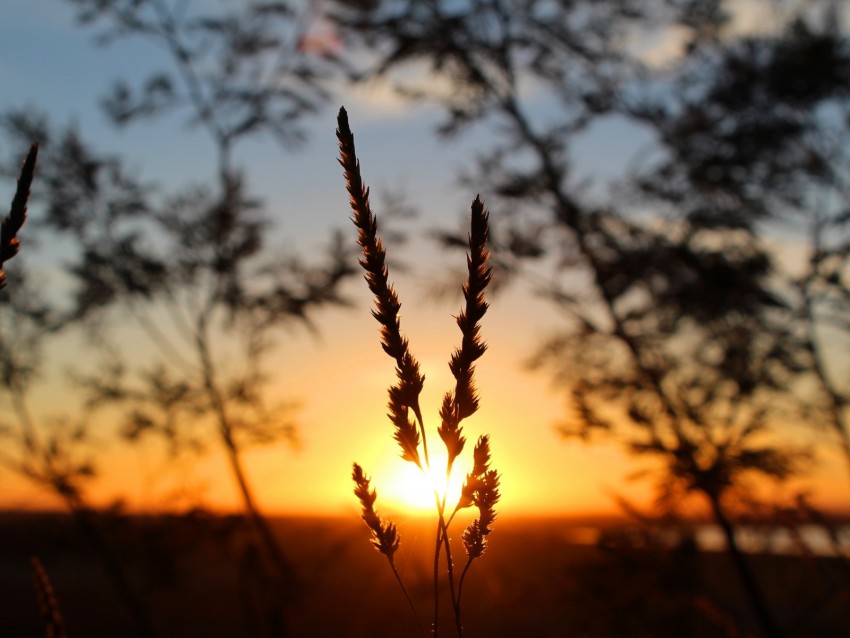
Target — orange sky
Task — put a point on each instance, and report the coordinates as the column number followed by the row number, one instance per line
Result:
column 341, row 380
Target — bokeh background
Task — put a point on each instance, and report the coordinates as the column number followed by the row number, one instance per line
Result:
column 190, row 364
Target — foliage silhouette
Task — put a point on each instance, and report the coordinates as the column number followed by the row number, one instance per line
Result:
column 47, row 603
column 192, row 269
column 684, row 338
column 758, row 134
column 681, row 336
column 51, row 454
column 481, row 487
column 12, row 223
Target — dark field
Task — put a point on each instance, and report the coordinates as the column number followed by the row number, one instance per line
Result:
column 539, row 578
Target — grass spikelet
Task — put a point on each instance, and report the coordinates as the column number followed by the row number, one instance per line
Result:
column 485, row 495
column 10, row 243
column 47, row 604
column 404, row 395
column 474, row 480
column 464, row 402
column 385, row 536
column 481, row 487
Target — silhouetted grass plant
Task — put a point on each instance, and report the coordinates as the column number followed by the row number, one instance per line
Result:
column 46, row 458
column 481, row 488
column 54, row 625
column 10, row 243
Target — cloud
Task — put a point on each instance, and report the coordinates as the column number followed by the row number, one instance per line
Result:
column 380, row 99
column 659, row 47
column 662, row 46
column 755, row 17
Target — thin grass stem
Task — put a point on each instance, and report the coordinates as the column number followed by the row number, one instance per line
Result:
column 458, row 404
column 461, row 581
column 407, row 597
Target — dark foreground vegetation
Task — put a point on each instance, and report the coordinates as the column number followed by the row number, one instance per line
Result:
column 545, row 577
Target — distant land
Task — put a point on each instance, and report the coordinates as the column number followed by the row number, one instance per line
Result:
column 596, row 576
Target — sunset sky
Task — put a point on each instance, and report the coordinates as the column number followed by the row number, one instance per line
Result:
column 339, row 375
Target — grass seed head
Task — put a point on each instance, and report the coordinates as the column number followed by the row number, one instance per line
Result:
column 385, row 536
column 10, row 243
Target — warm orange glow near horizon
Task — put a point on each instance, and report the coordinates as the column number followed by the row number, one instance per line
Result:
column 411, row 490
column 342, row 384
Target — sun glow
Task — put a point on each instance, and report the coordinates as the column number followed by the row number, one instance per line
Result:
column 407, row 488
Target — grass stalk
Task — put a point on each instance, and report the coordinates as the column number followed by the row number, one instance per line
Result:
column 481, row 486
column 10, row 243
column 54, row 625
column 385, row 537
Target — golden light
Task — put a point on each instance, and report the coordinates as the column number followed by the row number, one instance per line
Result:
column 405, row 487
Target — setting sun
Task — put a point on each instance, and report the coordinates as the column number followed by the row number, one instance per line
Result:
column 403, row 486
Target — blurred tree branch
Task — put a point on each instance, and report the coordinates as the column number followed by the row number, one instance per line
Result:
column 192, row 270
column 682, row 336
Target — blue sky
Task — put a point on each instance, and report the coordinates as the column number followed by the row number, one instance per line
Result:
column 50, row 63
